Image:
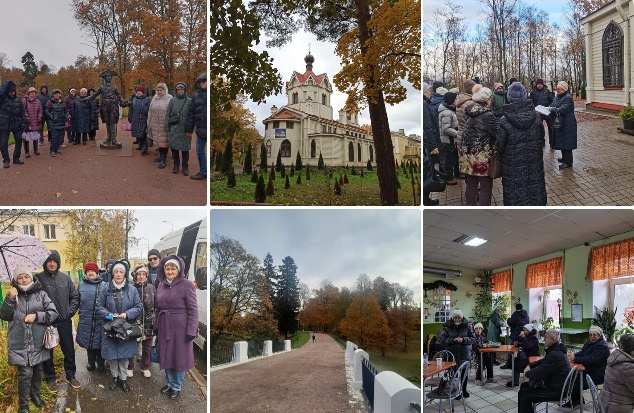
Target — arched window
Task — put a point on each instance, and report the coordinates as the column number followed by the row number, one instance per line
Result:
column 612, row 48
column 359, row 152
column 286, row 148
column 350, row 152
column 295, row 97
column 371, row 154
column 313, row 149
column 323, row 99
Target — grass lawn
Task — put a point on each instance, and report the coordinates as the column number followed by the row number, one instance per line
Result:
column 299, row 339
column 319, row 190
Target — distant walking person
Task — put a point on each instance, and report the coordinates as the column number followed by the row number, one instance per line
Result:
column 564, row 137
column 313, row 338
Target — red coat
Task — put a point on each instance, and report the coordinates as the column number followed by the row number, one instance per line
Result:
column 33, row 112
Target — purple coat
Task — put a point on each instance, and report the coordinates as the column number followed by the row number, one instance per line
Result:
column 176, row 318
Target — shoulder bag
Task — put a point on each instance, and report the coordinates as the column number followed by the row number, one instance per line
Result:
column 51, row 337
column 132, row 329
column 174, row 119
column 557, row 121
column 432, row 181
column 495, row 166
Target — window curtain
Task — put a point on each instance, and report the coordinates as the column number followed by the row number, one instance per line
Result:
column 502, row 281
column 611, row 261
column 545, row 273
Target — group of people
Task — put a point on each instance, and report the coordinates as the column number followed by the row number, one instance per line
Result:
column 546, row 376
column 165, row 120
column 466, row 130
column 157, row 298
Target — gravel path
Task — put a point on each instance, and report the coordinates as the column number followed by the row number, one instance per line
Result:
column 309, row 379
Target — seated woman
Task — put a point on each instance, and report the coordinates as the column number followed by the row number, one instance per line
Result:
column 529, row 346
column 481, row 340
column 617, row 394
column 594, row 355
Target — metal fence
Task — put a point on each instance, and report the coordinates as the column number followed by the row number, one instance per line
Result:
column 256, row 349
column 278, row 346
column 368, row 373
column 221, row 354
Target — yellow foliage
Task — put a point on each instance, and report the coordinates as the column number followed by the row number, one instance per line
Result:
column 365, row 324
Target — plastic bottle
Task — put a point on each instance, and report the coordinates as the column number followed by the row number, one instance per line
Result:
column 425, row 360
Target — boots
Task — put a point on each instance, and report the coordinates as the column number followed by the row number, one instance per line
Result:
column 175, row 168
column 162, row 162
column 113, row 383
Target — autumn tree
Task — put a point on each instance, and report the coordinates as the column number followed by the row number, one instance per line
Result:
column 381, row 290
column 366, row 325
column 363, row 285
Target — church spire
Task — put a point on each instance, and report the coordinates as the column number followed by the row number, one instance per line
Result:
column 309, row 59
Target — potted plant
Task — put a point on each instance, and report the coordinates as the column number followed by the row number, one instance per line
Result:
column 624, row 330
column 606, row 319
column 627, row 114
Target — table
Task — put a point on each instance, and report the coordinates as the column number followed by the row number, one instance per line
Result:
column 563, row 331
column 580, row 367
column 505, row 348
column 433, row 368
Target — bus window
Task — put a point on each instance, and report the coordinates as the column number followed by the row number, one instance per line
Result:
column 201, row 256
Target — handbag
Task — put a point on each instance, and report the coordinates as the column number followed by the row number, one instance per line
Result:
column 495, row 166
column 51, row 338
column 432, row 181
column 174, row 119
column 449, row 385
column 557, row 122
column 133, row 331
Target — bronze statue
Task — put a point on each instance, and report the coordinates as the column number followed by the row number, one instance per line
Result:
column 109, row 108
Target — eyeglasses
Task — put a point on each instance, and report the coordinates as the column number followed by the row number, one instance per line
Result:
column 153, row 258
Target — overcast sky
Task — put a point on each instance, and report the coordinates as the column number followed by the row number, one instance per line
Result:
column 45, row 28
column 337, row 244
column 150, row 225
column 290, row 57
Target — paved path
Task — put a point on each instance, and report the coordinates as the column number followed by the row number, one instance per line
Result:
column 309, row 379
column 603, row 172
column 87, row 175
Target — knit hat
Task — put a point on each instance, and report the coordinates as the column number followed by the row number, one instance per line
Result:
column 595, row 329
column 153, row 252
column 482, row 95
column 116, row 266
column 202, row 78
column 72, row 89
column 627, row 343
column 56, row 91
column 454, row 90
column 441, row 91
column 140, row 268
column 139, row 88
column 91, row 266
column 476, row 88
column 467, row 86
column 456, row 313
column 174, row 262
column 21, row 269
column 562, row 85
column 538, row 81
column 11, row 87
column 529, row 327
column 449, row 98
column 512, row 80
column 31, row 89
column 437, row 84
column 497, row 86
column 426, row 87
column 516, row 93
column 478, row 325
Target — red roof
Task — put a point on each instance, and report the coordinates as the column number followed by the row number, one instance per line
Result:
column 302, row 78
column 283, row 115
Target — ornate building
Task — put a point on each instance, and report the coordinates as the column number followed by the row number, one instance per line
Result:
column 306, row 124
column 406, row 147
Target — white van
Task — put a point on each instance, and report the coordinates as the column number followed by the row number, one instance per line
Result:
column 190, row 243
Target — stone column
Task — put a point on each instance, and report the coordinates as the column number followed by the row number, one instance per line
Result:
column 394, row 394
column 357, row 381
column 587, row 27
column 268, row 348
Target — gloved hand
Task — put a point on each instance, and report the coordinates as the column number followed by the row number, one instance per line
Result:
column 110, row 317
column 190, row 338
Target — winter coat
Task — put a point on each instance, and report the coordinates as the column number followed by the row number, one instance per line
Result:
column 60, row 288
column 33, row 113
column 478, row 140
column 81, row 116
column 138, row 115
column 434, row 102
column 617, row 394
column 152, row 272
column 156, row 119
column 594, row 357
column 461, row 351
column 12, row 116
column 55, row 114
column 480, row 341
column 529, row 344
column 68, row 105
column 495, row 327
column 447, row 123
column 517, row 322
column 565, row 138
column 197, row 115
column 24, row 340
column 431, row 134
column 176, row 318
column 176, row 137
column 553, row 368
column 129, row 303
column 43, row 97
column 90, row 327
column 94, row 114
column 520, row 145
column 542, row 97
column 462, row 101
column 497, row 101
column 147, row 294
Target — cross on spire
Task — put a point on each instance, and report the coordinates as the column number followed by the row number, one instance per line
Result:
column 308, row 47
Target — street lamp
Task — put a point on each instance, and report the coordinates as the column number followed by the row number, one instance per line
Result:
column 167, row 222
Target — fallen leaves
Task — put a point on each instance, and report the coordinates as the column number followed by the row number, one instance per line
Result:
column 57, row 194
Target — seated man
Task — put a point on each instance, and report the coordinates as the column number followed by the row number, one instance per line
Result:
column 594, row 357
column 547, row 376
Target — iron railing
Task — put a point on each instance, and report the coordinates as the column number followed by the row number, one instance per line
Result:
column 278, row 346
column 255, row 349
column 368, row 373
column 415, row 406
column 221, row 354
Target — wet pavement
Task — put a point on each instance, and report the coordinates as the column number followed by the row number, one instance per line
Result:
column 95, row 396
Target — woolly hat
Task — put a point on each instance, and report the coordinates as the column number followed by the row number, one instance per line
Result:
column 498, row 85
column 441, row 91
column 562, row 85
column 202, row 78
column 437, row 84
column 627, row 343
column 110, row 262
column 449, row 98
column 31, row 89
column 516, row 93
column 21, row 269
column 91, row 266
column 482, row 95
column 529, row 327
column 139, row 88
column 153, row 252
column 512, row 80
column 56, row 91
column 11, row 87
column 140, row 267
column 174, row 262
column 538, row 81
column 454, row 90
column 478, row 325
column 467, row 86
column 595, row 329
column 118, row 265
column 426, row 87
column 476, row 88
column 456, row 313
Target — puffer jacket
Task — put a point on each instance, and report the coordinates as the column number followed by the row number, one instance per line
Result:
column 431, row 133
column 55, row 114
column 138, row 115
column 197, row 115
column 478, row 140
column 617, row 394
column 176, row 137
column 447, row 123
column 542, row 97
column 461, row 351
column 517, row 322
column 594, row 357
column 462, row 101
column 497, row 101
column 520, row 145
column 81, row 115
column 552, row 369
column 90, row 327
column 25, row 340
column 156, row 119
column 60, row 289
column 147, row 294
column 43, row 97
column 530, row 344
column 33, row 113
column 12, row 116
column 565, row 137
column 68, row 105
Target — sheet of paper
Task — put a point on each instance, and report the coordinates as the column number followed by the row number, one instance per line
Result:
column 542, row 109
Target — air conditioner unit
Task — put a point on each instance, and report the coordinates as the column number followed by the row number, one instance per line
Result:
column 446, row 272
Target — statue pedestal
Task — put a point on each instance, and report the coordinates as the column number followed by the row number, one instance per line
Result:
column 110, row 145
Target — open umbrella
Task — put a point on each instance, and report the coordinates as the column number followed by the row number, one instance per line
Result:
column 23, row 250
